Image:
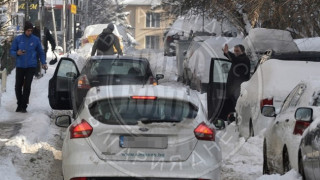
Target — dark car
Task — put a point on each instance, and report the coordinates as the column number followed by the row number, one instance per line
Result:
column 67, row 80
column 309, row 150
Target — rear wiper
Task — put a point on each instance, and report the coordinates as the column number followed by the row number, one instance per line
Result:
column 148, row 121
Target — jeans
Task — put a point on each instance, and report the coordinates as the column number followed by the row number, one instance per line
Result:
column 24, row 78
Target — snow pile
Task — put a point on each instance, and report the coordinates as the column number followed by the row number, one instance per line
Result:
column 291, row 175
column 308, row 44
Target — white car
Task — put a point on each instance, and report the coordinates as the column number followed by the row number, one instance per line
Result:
column 275, row 76
column 282, row 137
column 140, row 132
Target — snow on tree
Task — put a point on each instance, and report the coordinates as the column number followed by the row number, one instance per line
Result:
column 106, row 11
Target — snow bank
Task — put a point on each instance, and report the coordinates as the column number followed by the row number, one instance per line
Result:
column 308, row 44
column 291, row 175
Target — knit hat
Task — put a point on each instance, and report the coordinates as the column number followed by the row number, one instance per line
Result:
column 28, row 25
column 110, row 26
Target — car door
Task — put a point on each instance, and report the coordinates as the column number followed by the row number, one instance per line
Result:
column 60, row 85
column 217, row 103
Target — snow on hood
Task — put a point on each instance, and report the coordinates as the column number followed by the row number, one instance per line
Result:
column 261, row 39
column 308, row 44
column 211, row 48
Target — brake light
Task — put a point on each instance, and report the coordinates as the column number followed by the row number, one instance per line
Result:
column 79, row 178
column 266, row 101
column 81, row 130
column 83, row 82
column 144, row 97
column 204, row 132
column 300, row 127
column 153, row 81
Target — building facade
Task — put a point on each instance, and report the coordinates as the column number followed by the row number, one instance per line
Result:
column 148, row 25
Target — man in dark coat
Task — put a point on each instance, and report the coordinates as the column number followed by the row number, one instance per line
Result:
column 106, row 40
column 239, row 71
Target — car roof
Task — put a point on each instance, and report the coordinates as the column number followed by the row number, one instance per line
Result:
column 112, row 57
column 301, row 55
column 125, row 91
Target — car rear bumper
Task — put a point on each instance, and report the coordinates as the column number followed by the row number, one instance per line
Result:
column 203, row 163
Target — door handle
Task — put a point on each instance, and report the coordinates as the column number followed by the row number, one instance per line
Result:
column 287, row 120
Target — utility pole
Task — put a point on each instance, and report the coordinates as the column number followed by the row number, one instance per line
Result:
column 64, row 26
column 26, row 10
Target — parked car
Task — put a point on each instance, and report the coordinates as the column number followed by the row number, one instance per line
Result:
column 67, row 80
column 276, row 74
column 309, row 150
column 140, row 132
column 282, row 137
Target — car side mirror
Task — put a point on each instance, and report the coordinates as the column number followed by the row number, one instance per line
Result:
column 268, row 111
column 159, row 76
column 219, row 124
column 304, row 114
column 63, row 121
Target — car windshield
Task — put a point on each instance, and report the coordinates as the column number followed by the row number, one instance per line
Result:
column 129, row 111
column 117, row 67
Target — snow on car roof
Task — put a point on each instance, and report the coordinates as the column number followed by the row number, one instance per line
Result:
column 112, row 91
column 261, row 39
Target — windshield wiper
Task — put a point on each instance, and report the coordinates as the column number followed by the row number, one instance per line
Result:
column 148, row 121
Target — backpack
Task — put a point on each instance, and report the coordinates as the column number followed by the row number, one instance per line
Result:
column 105, row 41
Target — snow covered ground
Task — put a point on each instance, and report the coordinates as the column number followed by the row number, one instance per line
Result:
column 30, row 144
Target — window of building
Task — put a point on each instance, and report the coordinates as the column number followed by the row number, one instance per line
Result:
column 153, row 20
column 152, row 42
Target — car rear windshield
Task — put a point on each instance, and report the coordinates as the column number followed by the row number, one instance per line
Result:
column 118, row 67
column 129, row 111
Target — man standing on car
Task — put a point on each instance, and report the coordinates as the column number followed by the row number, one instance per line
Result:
column 25, row 48
column 105, row 42
column 239, row 71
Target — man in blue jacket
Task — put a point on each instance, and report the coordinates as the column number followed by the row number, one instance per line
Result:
column 25, row 48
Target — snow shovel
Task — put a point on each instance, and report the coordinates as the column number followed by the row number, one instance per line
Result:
column 53, row 61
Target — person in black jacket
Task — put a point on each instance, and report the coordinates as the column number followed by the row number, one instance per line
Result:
column 47, row 37
column 239, row 71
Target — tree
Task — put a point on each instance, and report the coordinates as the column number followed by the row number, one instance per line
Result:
column 106, row 11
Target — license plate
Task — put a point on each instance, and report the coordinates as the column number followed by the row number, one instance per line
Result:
column 143, row 142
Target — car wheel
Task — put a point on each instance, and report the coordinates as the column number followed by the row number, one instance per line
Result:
column 286, row 161
column 301, row 168
column 265, row 160
column 251, row 131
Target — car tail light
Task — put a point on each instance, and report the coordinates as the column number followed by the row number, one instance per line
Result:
column 204, row 132
column 83, row 82
column 266, row 101
column 81, row 130
column 153, row 81
column 144, row 97
column 79, row 178
column 300, row 127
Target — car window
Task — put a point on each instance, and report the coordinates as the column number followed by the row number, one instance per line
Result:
column 65, row 67
column 130, row 111
column 121, row 67
column 220, row 71
column 293, row 98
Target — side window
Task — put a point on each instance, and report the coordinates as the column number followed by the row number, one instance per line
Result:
column 293, row 98
column 65, row 68
column 220, row 71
